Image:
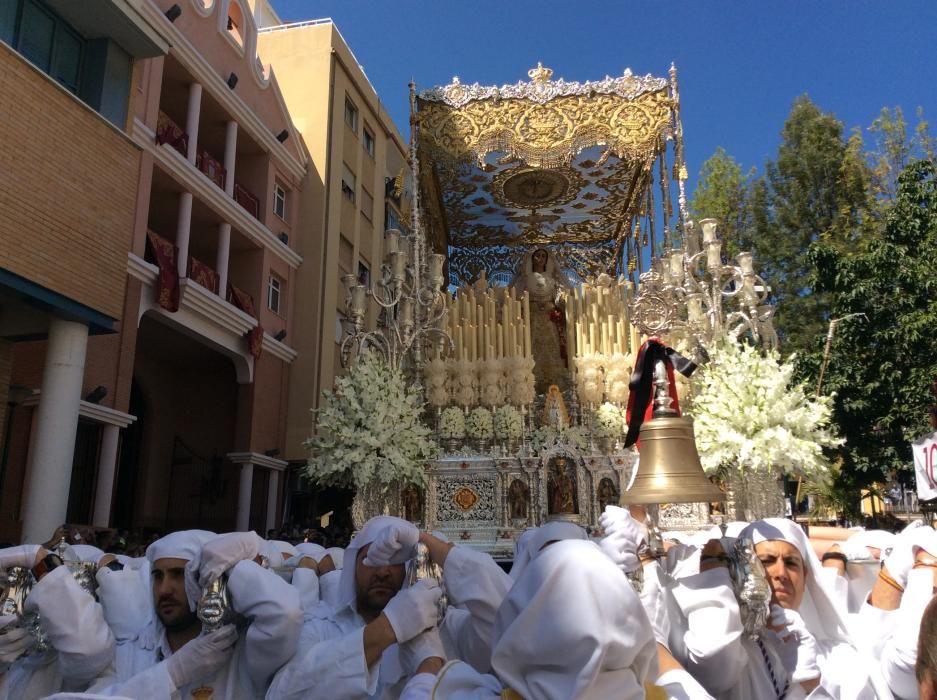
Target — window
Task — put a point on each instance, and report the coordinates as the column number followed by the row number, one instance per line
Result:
column 369, row 141
column 273, row 294
column 279, row 201
column 392, row 219
column 351, row 114
column 349, row 183
column 364, row 274
column 48, row 42
column 367, row 203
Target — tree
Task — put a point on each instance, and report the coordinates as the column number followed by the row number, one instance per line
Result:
column 894, row 148
column 883, row 363
column 723, row 192
column 817, row 190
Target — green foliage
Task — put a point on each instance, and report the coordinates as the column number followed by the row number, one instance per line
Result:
column 816, row 190
column 724, row 193
column 894, row 149
column 881, row 367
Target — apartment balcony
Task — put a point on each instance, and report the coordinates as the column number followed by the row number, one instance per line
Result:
column 227, row 324
column 246, row 199
column 170, row 133
column 241, row 211
column 211, row 167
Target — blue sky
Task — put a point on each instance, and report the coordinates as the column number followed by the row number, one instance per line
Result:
column 741, row 64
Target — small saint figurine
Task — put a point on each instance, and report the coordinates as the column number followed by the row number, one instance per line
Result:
column 519, row 498
column 561, row 490
column 555, row 414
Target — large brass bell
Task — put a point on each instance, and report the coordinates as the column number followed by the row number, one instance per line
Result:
column 669, row 470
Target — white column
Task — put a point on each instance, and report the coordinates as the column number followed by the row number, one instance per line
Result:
column 224, row 253
column 191, row 119
column 50, row 470
column 183, row 229
column 244, row 497
column 230, row 156
column 273, row 488
column 107, row 466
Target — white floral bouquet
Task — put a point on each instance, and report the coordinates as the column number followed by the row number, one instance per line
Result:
column 479, row 424
column 369, row 430
column 749, row 414
column 608, row 421
column 508, row 423
column 452, row 424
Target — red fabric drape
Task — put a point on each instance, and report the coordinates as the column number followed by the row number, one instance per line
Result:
column 167, row 286
column 245, row 303
column 202, row 274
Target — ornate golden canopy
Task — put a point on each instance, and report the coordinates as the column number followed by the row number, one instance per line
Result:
column 541, row 163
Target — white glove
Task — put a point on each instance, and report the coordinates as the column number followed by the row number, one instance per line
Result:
column 901, row 558
column 201, row 658
column 623, row 537
column 654, row 599
column 413, row 609
column 22, row 555
column 223, row 552
column 14, row 640
column 393, row 545
column 805, row 667
column 426, row 645
column 855, row 548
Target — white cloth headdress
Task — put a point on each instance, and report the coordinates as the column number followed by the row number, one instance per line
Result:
column 572, row 627
column 347, row 587
column 531, row 542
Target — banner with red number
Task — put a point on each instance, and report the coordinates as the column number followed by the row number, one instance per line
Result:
column 925, row 466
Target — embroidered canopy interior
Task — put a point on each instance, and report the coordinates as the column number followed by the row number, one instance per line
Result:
column 544, row 163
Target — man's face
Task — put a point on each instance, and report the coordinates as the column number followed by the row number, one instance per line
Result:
column 786, row 572
column 375, row 585
column 169, row 599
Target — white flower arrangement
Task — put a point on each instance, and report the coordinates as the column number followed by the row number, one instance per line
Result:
column 749, row 414
column 547, row 436
column 508, row 424
column 608, row 421
column 452, row 424
column 479, row 424
column 369, row 430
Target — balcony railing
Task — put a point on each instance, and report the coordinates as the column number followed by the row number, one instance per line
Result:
column 211, row 167
column 167, row 131
column 246, row 199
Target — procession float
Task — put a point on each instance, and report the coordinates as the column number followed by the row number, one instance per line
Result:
column 548, row 240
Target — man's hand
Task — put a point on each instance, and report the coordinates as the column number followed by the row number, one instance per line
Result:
column 425, row 646
column 791, row 628
column 623, row 538
column 394, row 545
column 201, row 658
column 413, row 609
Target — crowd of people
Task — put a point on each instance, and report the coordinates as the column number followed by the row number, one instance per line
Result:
column 575, row 617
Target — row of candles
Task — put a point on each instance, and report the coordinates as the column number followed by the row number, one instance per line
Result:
column 489, row 324
column 597, row 319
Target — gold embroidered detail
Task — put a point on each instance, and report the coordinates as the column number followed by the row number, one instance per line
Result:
column 465, row 498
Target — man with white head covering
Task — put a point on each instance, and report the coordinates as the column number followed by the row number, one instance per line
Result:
column 532, row 541
column 80, row 643
column 571, row 627
column 175, row 659
column 806, row 650
column 899, row 653
column 375, row 638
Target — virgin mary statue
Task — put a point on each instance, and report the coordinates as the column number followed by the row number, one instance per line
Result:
column 541, row 276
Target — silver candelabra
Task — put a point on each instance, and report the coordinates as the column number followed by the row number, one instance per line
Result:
column 691, row 295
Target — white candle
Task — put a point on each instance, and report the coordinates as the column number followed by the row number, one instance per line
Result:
column 391, row 241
